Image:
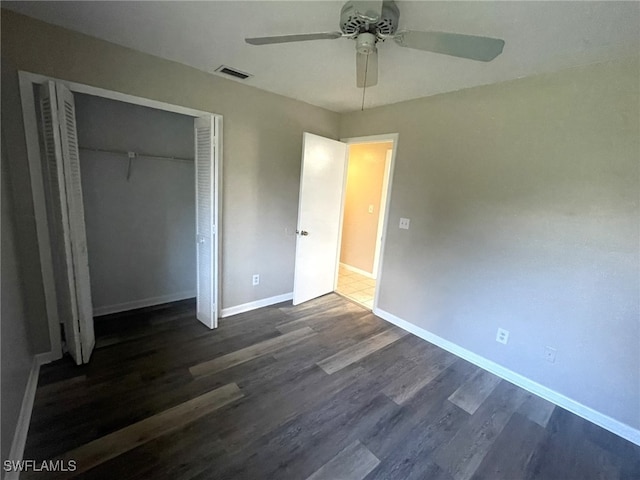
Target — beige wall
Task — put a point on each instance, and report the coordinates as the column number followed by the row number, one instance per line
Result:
column 524, row 208
column 365, row 175
column 262, row 141
column 24, row 332
column 17, row 347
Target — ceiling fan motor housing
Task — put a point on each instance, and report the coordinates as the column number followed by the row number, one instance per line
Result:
column 357, row 18
column 366, row 43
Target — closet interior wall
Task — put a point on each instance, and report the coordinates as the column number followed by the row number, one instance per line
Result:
column 140, row 211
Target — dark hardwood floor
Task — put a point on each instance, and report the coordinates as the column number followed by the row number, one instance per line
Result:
column 324, row 390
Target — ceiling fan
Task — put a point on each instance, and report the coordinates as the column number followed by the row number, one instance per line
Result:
column 370, row 22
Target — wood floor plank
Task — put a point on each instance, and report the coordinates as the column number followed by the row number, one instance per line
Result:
column 305, row 404
column 249, row 353
column 328, row 432
column 389, row 438
column 537, row 410
column 412, row 458
column 60, row 387
column 191, row 448
column 353, row 463
column 407, row 385
column 471, row 395
column 464, row 454
column 317, row 316
column 566, row 453
column 317, row 304
column 418, row 350
column 625, row 452
column 328, row 426
column 512, row 451
column 409, row 470
column 121, row 441
column 281, row 404
column 359, row 351
column 300, row 357
column 328, row 418
column 327, row 342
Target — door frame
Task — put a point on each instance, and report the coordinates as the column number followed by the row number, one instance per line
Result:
column 383, row 211
column 386, row 201
column 27, row 81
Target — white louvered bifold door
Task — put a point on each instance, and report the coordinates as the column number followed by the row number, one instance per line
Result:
column 58, row 221
column 75, row 206
column 206, row 228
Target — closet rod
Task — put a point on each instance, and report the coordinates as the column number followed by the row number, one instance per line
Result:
column 121, row 152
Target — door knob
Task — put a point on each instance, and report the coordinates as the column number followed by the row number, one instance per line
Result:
column 304, row 233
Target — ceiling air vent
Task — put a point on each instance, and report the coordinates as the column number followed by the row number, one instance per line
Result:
column 233, row 72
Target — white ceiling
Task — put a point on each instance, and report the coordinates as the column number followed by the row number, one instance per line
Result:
column 540, row 37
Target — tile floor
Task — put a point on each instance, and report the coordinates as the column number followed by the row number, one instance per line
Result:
column 356, row 287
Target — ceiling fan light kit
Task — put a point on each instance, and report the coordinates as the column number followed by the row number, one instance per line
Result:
column 370, row 22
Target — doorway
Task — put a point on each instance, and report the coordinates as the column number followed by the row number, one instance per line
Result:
column 363, row 214
column 321, row 211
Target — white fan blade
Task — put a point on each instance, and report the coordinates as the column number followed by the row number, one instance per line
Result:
column 483, row 49
column 303, row 37
column 367, row 69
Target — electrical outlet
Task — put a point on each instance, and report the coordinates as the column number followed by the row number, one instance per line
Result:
column 404, row 223
column 502, row 336
column 256, row 280
column 550, row 354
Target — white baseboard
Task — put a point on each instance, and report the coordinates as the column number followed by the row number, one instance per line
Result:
column 44, row 358
column 24, row 418
column 357, row 270
column 246, row 307
column 621, row 429
column 145, row 302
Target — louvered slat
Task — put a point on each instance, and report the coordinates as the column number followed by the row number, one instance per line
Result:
column 203, row 137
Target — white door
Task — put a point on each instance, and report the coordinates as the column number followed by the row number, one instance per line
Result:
column 66, row 219
column 324, row 164
column 206, row 223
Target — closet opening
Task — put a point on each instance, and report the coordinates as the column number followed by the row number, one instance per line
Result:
column 363, row 215
column 126, row 195
column 137, row 168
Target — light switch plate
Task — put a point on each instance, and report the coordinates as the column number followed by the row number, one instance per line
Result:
column 404, row 223
column 370, row 208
